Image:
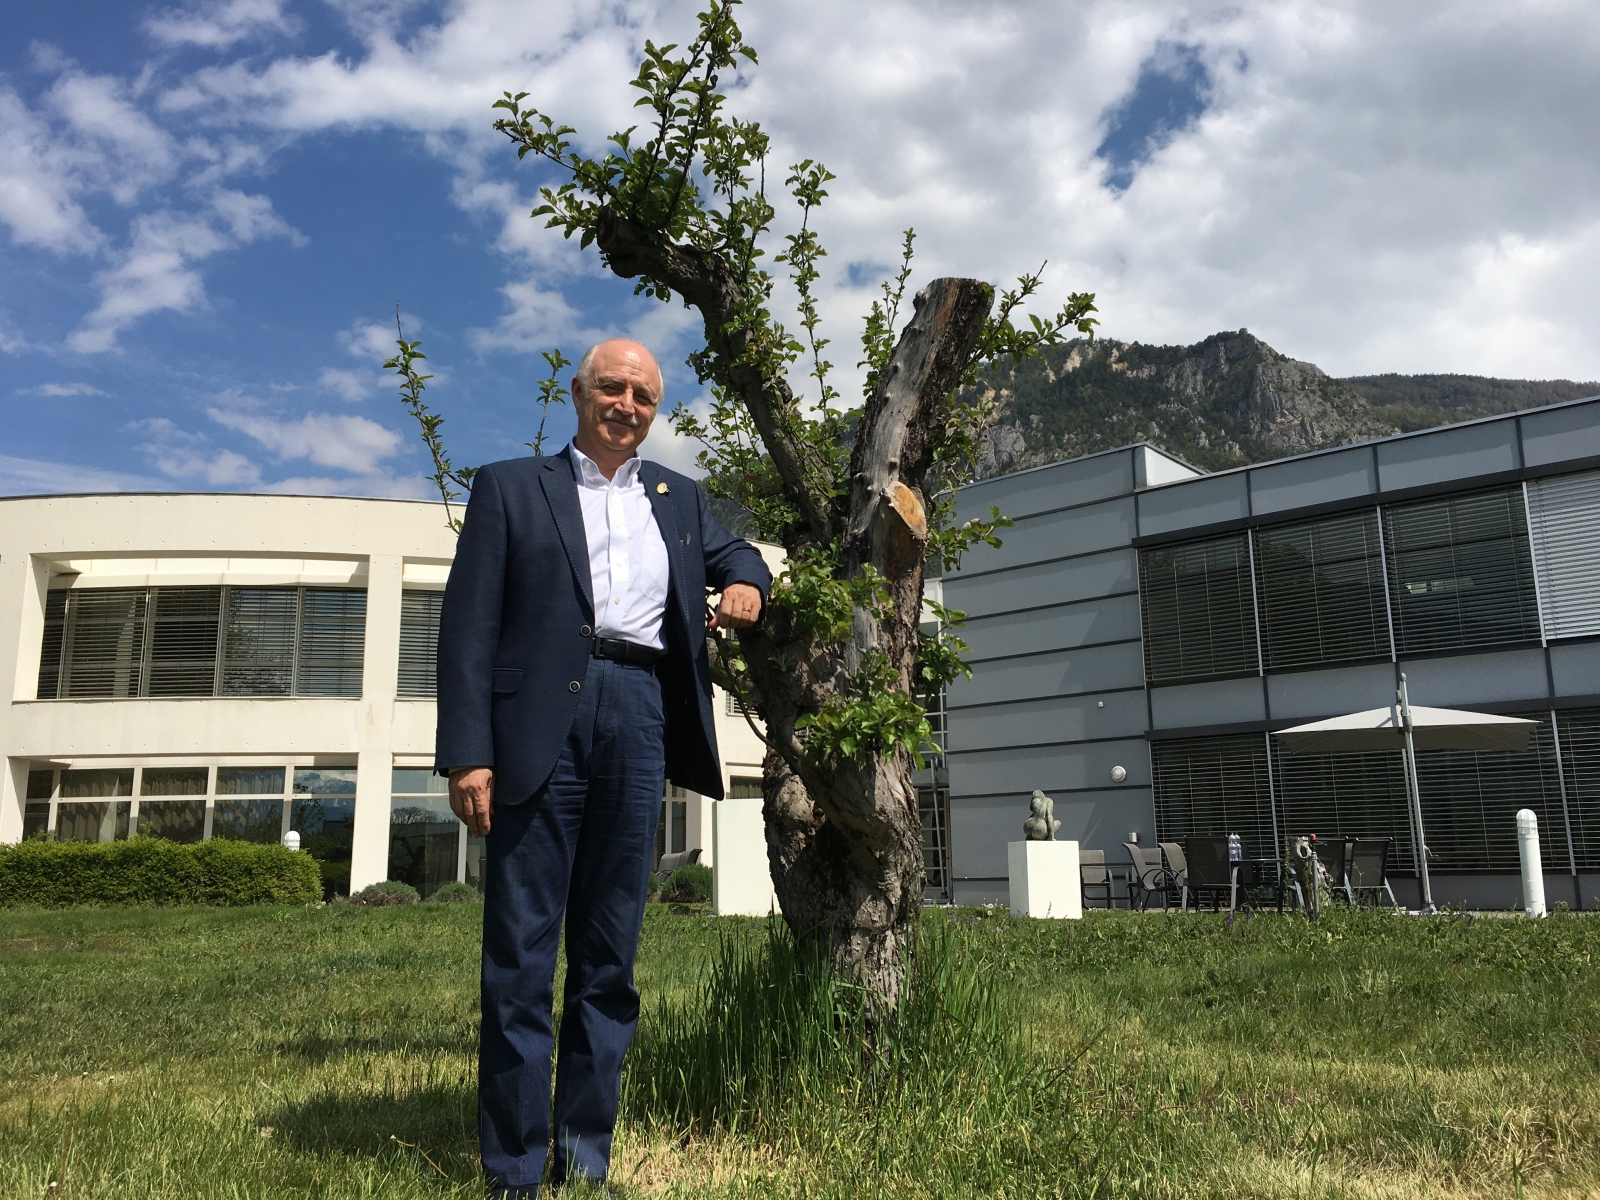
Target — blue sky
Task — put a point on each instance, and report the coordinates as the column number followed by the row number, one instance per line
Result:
column 208, row 210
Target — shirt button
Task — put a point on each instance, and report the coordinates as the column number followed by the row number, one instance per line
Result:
column 585, row 631
column 574, row 686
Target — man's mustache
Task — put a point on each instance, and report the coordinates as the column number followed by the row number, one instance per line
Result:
column 616, row 418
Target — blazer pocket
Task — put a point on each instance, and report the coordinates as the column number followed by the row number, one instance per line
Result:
column 506, row 681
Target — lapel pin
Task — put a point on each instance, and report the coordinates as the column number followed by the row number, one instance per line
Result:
column 662, row 488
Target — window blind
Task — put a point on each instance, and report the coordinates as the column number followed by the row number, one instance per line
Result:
column 333, row 624
column 183, row 641
column 1470, row 800
column 1461, row 574
column 1580, row 756
column 259, row 641
column 1564, row 514
column 1214, row 786
column 55, row 627
column 1198, row 611
column 1346, row 795
column 103, row 651
column 419, row 644
column 1321, row 591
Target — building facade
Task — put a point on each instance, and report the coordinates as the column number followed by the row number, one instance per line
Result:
column 194, row 666
column 1146, row 626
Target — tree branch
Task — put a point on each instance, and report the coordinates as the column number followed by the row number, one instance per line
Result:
column 705, row 281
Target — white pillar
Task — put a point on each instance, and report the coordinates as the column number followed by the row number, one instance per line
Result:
column 741, row 881
column 380, row 671
column 1532, row 863
column 1045, row 880
column 23, row 581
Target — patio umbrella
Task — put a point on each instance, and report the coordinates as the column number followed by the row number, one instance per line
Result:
column 1405, row 727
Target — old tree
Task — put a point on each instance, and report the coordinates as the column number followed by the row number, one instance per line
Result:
column 857, row 494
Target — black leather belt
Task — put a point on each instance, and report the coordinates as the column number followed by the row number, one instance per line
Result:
column 627, row 652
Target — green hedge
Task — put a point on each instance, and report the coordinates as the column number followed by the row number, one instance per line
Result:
column 155, row 871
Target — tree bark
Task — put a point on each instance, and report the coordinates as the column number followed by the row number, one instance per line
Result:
column 844, row 838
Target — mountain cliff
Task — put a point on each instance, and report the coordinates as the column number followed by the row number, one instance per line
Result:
column 1229, row 400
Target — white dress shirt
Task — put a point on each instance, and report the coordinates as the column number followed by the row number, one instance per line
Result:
column 628, row 567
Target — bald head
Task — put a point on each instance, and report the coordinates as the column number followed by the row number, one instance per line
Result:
column 617, row 393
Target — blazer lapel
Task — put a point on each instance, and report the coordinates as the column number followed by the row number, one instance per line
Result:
column 560, row 482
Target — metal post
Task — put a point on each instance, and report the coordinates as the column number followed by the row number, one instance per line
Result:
column 1532, row 863
column 1413, row 785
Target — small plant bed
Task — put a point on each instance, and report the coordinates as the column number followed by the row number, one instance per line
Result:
column 330, row 1052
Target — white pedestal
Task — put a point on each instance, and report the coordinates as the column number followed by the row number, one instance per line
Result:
column 1045, row 880
column 741, row 881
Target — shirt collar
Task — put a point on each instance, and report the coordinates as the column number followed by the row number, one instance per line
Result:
column 589, row 473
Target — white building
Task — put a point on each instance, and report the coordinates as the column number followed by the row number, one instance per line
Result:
column 193, row 666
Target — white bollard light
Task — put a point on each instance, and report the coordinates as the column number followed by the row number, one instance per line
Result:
column 291, row 840
column 1532, row 863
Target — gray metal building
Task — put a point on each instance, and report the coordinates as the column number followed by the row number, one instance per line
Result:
column 1145, row 615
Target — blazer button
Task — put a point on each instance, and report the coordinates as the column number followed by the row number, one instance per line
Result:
column 574, row 686
column 585, row 631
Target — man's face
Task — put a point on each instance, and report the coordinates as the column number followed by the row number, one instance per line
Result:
column 615, row 413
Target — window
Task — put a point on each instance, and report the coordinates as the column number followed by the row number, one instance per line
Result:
column 744, row 787
column 1321, row 591
column 183, row 642
column 1213, row 787
column 36, row 805
column 177, row 820
column 1198, row 610
column 202, row 641
column 1461, row 576
column 933, row 807
column 1564, row 513
column 323, row 813
column 249, row 804
column 427, row 844
column 85, row 814
column 419, row 644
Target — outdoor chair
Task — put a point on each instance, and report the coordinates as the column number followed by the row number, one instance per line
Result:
column 1147, row 877
column 671, row 862
column 1177, row 864
column 1369, row 870
column 1208, row 869
column 1093, row 873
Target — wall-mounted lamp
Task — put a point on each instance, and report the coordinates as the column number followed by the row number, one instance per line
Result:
column 1118, row 774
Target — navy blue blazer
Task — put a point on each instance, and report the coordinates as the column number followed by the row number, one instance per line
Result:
column 515, row 632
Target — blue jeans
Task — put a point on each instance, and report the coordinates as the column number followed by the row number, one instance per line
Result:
column 580, row 846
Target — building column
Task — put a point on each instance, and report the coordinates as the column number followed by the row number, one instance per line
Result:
column 23, row 581
column 380, row 670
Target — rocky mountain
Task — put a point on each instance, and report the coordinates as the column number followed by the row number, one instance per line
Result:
column 1229, row 400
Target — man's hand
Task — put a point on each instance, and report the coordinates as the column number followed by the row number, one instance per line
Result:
column 472, row 796
column 741, row 605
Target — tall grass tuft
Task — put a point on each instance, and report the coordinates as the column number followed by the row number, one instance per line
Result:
column 777, row 1049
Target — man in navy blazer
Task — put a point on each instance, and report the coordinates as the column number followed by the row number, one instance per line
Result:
column 573, row 681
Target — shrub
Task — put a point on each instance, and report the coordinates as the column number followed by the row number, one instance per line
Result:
column 455, row 893
column 390, row 891
column 688, row 884
column 154, row 871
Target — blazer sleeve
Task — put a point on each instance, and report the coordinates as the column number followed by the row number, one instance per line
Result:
column 729, row 559
column 469, row 631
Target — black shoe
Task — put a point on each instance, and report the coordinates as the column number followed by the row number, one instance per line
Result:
column 525, row 1191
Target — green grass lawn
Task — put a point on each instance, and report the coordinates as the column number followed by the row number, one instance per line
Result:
column 330, row 1052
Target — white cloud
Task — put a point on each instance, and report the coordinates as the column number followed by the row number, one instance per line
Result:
column 347, row 443
column 62, row 389
column 381, row 484
column 179, row 454
column 219, row 25
column 538, row 319
column 37, row 191
column 157, row 271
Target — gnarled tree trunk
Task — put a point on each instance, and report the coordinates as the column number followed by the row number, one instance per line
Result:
column 844, row 838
